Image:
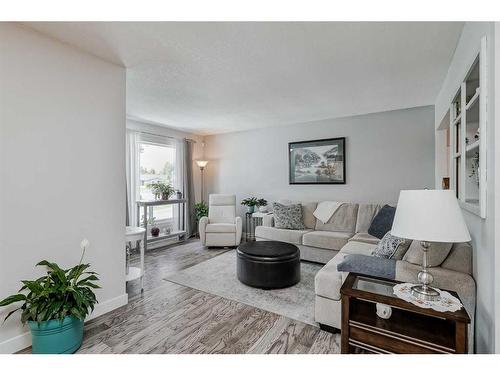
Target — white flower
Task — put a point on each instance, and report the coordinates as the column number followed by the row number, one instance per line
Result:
column 84, row 244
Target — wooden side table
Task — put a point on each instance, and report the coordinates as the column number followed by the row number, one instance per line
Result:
column 410, row 329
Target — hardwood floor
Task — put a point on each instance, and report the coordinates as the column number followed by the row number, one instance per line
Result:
column 171, row 318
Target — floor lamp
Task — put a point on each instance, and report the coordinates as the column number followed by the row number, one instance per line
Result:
column 202, row 164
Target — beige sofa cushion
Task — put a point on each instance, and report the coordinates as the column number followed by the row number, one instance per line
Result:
column 460, row 258
column 326, row 240
column 220, row 228
column 307, row 214
column 437, row 253
column 343, row 220
column 366, row 213
column 285, row 235
column 365, row 237
column 328, row 280
column 356, row 247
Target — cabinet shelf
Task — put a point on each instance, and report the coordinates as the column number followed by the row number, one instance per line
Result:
column 472, row 146
column 473, row 99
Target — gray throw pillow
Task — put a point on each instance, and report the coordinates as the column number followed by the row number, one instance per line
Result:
column 288, row 216
column 368, row 265
column 437, row 253
column 391, row 247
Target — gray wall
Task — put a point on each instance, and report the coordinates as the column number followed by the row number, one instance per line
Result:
column 481, row 230
column 386, row 152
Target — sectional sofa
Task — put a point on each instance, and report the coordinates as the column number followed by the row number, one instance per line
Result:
column 347, row 233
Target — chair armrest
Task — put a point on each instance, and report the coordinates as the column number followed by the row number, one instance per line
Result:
column 202, row 224
column 239, row 229
column 268, row 220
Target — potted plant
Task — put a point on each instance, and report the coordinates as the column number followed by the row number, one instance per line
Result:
column 250, row 203
column 262, row 205
column 55, row 306
column 200, row 210
column 155, row 231
column 161, row 190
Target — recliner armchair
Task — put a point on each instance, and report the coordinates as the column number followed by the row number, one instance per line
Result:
column 222, row 227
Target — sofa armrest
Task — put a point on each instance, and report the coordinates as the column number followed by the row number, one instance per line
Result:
column 202, row 224
column 239, row 229
column 268, row 220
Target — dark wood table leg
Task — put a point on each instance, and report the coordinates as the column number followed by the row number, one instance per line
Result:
column 461, row 338
column 344, row 345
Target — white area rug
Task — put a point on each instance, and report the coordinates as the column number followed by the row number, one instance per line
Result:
column 218, row 276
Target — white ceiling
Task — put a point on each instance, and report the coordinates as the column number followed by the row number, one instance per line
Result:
column 218, row 77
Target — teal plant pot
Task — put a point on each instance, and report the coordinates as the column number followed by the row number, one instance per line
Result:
column 56, row 337
column 250, row 209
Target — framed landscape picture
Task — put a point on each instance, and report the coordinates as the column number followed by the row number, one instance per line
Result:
column 317, row 162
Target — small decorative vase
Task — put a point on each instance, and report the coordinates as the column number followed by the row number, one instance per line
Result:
column 55, row 336
column 179, row 195
column 263, row 209
column 155, row 231
column 250, row 209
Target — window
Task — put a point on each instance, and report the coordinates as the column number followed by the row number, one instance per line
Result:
column 156, row 164
column 468, row 124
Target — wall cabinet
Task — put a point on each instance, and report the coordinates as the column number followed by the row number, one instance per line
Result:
column 468, row 116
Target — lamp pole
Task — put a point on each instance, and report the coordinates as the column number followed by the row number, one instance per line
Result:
column 202, row 164
column 202, row 182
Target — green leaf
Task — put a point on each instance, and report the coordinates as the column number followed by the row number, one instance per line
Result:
column 89, row 284
column 33, row 286
column 12, row 299
column 54, row 269
column 12, row 312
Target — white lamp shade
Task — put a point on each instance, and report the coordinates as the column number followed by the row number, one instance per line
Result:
column 429, row 215
column 202, row 163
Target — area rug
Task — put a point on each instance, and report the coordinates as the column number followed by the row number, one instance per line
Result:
column 218, row 276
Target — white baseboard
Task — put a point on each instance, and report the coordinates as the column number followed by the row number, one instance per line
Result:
column 109, row 305
column 22, row 341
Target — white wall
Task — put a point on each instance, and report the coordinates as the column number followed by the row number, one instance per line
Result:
column 386, row 152
column 482, row 230
column 62, row 166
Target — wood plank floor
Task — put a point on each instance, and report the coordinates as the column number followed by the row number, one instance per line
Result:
column 171, row 318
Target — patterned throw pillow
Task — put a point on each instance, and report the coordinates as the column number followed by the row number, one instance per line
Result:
column 389, row 245
column 288, row 216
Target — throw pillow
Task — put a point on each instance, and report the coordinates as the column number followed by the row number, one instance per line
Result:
column 437, row 253
column 288, row 216
column 368, row 265
column 391, row 247
column 382, row 222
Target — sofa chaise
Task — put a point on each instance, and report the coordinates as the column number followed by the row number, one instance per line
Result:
column 347, row 233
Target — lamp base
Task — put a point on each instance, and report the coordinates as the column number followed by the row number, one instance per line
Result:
column 425, row 292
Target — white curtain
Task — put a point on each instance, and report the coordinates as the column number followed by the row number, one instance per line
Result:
column 132, row 164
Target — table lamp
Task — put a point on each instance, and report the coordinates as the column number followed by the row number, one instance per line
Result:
column 429, row 216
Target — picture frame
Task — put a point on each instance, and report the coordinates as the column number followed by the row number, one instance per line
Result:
column 317, row 162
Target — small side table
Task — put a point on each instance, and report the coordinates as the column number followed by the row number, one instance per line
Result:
column 135, row 234
column 409, row 330
column 252, row 220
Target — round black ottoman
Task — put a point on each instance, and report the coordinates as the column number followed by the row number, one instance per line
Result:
column 268, row 264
